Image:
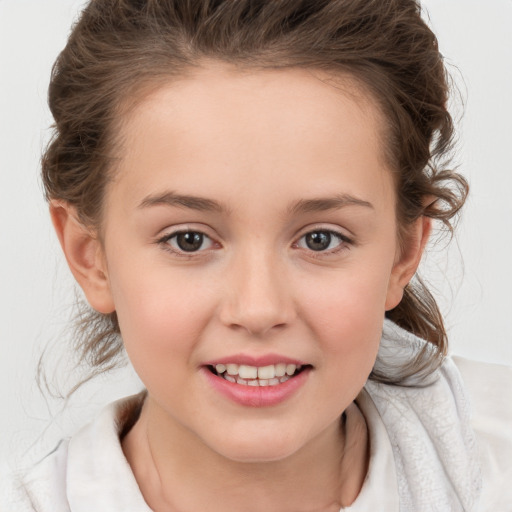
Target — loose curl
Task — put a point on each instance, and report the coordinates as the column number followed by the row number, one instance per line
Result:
column 118, row 49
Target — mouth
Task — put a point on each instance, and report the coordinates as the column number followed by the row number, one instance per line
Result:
column 257, row 376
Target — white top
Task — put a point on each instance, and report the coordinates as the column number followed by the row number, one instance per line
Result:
column 426, row 453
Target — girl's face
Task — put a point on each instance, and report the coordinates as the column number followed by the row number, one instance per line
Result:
column 250, row 230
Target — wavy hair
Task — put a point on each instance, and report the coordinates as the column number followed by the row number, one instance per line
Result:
column 119, row 48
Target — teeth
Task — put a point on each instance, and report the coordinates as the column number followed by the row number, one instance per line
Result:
column 270, row 375
column 290, row 369
column 280, row 370
column 232, row 369
column 253, row 372
column 248, row 372
column 267, row 372
column 256, row 382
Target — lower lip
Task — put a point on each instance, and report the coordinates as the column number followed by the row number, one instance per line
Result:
column 257, row 396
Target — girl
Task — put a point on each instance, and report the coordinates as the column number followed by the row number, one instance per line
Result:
column 244, row 190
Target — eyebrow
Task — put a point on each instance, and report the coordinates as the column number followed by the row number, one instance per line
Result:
column 210, row 205
column 327, row 203
column 184, row 201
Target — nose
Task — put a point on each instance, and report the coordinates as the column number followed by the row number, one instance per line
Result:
column 257, row 296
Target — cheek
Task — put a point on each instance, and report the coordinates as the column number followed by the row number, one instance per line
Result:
column 345, row 313
column 161, row 316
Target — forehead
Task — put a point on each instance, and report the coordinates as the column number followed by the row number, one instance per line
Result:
column 260, row 95
column 291, row 127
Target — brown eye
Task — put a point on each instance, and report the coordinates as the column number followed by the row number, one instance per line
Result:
column 318, row 240
column 189, row 241
column 322, row 240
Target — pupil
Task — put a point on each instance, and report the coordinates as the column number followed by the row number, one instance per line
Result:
column 190, row 241
column 318, row 241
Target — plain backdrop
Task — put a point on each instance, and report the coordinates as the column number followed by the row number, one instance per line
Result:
column 472, row 280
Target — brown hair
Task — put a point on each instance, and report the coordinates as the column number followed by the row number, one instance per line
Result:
column 118, row 47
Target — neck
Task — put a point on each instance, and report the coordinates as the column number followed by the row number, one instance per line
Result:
column 186, row 475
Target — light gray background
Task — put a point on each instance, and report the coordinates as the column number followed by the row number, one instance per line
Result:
column 36, row 291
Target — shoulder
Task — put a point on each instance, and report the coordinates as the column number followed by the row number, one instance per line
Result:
column 452, row 429
column 40, row 489
column 489, row 387
column 87, row 472
column 432, row 440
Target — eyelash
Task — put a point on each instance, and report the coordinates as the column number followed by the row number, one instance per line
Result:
column 165, row 243
column 344, row 243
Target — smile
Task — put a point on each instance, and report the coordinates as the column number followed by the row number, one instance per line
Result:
column 257, row 381
column 270, row 375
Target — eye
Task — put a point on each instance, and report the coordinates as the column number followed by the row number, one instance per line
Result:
column 322, row 240
column 188, row 241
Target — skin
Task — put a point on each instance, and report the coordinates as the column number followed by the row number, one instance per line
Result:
column 260, row 144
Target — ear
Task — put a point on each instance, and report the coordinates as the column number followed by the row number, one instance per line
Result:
column 84, row 254
column 409, row 258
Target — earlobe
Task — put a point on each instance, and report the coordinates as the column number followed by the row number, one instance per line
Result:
column 406, row 265
column 84, row 255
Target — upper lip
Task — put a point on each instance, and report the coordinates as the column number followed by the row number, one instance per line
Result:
column 251, row 360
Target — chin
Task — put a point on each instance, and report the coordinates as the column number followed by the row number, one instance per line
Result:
column 258, row 448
